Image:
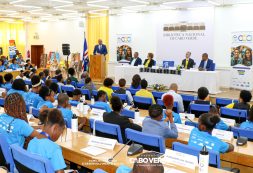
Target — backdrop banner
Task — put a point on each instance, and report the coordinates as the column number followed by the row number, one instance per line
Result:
column 124, row 48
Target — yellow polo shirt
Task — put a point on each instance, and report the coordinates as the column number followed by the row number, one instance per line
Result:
column 108, row 91
column 145, row 93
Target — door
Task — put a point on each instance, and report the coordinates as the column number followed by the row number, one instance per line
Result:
column 36, row 52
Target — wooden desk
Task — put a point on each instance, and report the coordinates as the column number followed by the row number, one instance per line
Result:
column 16, row 73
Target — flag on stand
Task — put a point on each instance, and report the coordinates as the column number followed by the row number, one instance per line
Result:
column 85, row 60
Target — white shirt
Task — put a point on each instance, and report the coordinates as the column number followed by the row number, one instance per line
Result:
column 132, row 63
column 177, row 98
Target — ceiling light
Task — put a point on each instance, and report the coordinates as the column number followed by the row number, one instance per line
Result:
column 139, row 1
column 134, row 6
column 177, row 2
column 214, row 2
column 17, row 1
column 7, row 11
column 27, row 6
column 63, row 1
column 92, row 11
column 30, row 11
column 42, row 14
column 99, row 6
column 71, row 11
column 62, row 6
column 71, row 14
column 96, row 1
column 196, row 8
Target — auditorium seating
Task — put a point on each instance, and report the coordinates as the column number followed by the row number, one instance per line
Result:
column 142, row 102
column 238, row 115
column 5, row 154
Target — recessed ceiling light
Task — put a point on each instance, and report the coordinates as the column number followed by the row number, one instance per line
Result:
column 62, row 6
column 42, row 14
column 99, row 6
column 63, row 1
column 36, row 10
column 27, row 6
column 177, row 2
column 71, row 11
column 17, row 1
column 134, row 6
column 139, row 1
column 94, row 11
column 96, row 1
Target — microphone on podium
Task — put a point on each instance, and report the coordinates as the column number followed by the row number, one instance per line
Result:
column 111, row 159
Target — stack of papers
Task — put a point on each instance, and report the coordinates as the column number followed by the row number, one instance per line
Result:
column 94, row 151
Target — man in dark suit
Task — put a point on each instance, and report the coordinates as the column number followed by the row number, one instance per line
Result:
column 100, row 49
column 135, row 61
column 205, row 64
column 188, row 63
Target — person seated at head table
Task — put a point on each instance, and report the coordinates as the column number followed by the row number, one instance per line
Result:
column 48, row 98
column 115, row 117
column 203, row 135
column 47, row 76
column 8, row 77
column 203, row 96
column 206, row 63
column 89, row 85
column 122, row 90
column 33, row 97
column 168, row 101
column 72, row 72
column 14, row 65
column 136, row 82
column 65, row 108
column 173, row 90
column 13, row 122
column 144, row 167
column 28, row 65
column 108, row 82
column 188, row 63
column 2, row 66
column 249, row 123
column 102, row 102
column 47, row 148
column 236, row 59
column 220, row 125
column 143, row 92
column 57, row 73
column 18, row 86
column 135, row 61
column 149, row 62
column 155, row 125
column 244, row 99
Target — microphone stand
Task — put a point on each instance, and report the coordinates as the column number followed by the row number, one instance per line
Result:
column 111, row 159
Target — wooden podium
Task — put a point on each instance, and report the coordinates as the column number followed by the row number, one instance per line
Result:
column 97, row 67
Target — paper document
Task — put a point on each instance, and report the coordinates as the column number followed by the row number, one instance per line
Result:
column 94, row 151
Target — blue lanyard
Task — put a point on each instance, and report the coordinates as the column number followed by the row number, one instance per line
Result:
column 47, row 135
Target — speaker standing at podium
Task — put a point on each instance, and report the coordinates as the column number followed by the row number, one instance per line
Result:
column 100, row 49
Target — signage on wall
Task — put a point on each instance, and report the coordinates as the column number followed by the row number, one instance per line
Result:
column 124, row 38
column 124, row 49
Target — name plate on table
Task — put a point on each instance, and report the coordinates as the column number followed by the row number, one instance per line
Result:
column 189, row 116
column 178, row 158
column 223, row 135
column 184, row 128
column 105, row 143
column 98, row 112
column 230, row 122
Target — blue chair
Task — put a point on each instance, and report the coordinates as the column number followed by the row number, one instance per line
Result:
column 175, row 107
column 123, row 97
column 214, row 157
column 221, row 102
column 149, row 142
column 114, row 88
column 128, row 113
column 28, row 162
column 35, row 112
column 97, row 107
column 73, row 83
column 157, row 95
column 199, row 109
column 99, row 171
column 2, row 102
column 242, row 132
column 29, row 83
column 54, row 80
column 189, row 123
column 95, row 94
column 142, row 102
column 73, row 103
column 5, row 154
column 237, row 114
column 104, row 129
column 87, row 94
column 132, row 91
column 68, row 89
column 187, row 99
column 80, row 84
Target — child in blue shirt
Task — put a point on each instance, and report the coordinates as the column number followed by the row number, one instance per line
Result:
column 168, row 101
column 220, row 125
column 102, row 101
column 203, row 135
column 76, row 97
column 14, row 65
column 14, row 123
column 249, row 123
column 8, row 81
column 46, row 147
column 2, row 67
column 48, row 98
column 18, row 86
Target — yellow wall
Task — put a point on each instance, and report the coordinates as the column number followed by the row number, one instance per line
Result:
column 12, row 31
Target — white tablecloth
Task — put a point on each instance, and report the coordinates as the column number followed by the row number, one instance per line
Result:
column 189, row 80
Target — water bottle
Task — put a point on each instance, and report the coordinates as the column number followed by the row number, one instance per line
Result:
column 92, row 100
column 137, row 113
column 83, row 98
column 85, row 108
column 74, row 123
column 30, row 109
column 203, row 160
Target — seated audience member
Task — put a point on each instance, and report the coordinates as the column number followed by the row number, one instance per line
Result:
column 20, row 59
column 43, row 116
column 21, row 75
column 149, row 62
column 102, row 102
column 76, row 97
column 84, row 75
column 244, row 99
column 108, row 82
column 60, row 80
column 156, row 126
column 68, row 83
column 136, row 82
column 42, row 76
column 114, row 117
column 122, row 90
column 5, row 61
column 1, row 81
column 236, row 59
column 220, row 125
column 48, row 98
column 203, row 96
column 205, row 64
column 28, row 65
column 135, row 61
column 46, row 147
column 29, row 75
column 55, row 88
column 13, row 122
column 33, row 97
column 8, row 81
column 143, row 92
column 89, row 85
column 177, row 97
column 18, row 86
column 203, row 135
column 65, row 108
column 14, row 65
column 249, row 123
column 188, row 63
column 57, row 73
column 47, row 76
column 48, row 83
column 2, row 66
column 144, row 167
column 72, row 72
column 168, row 101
